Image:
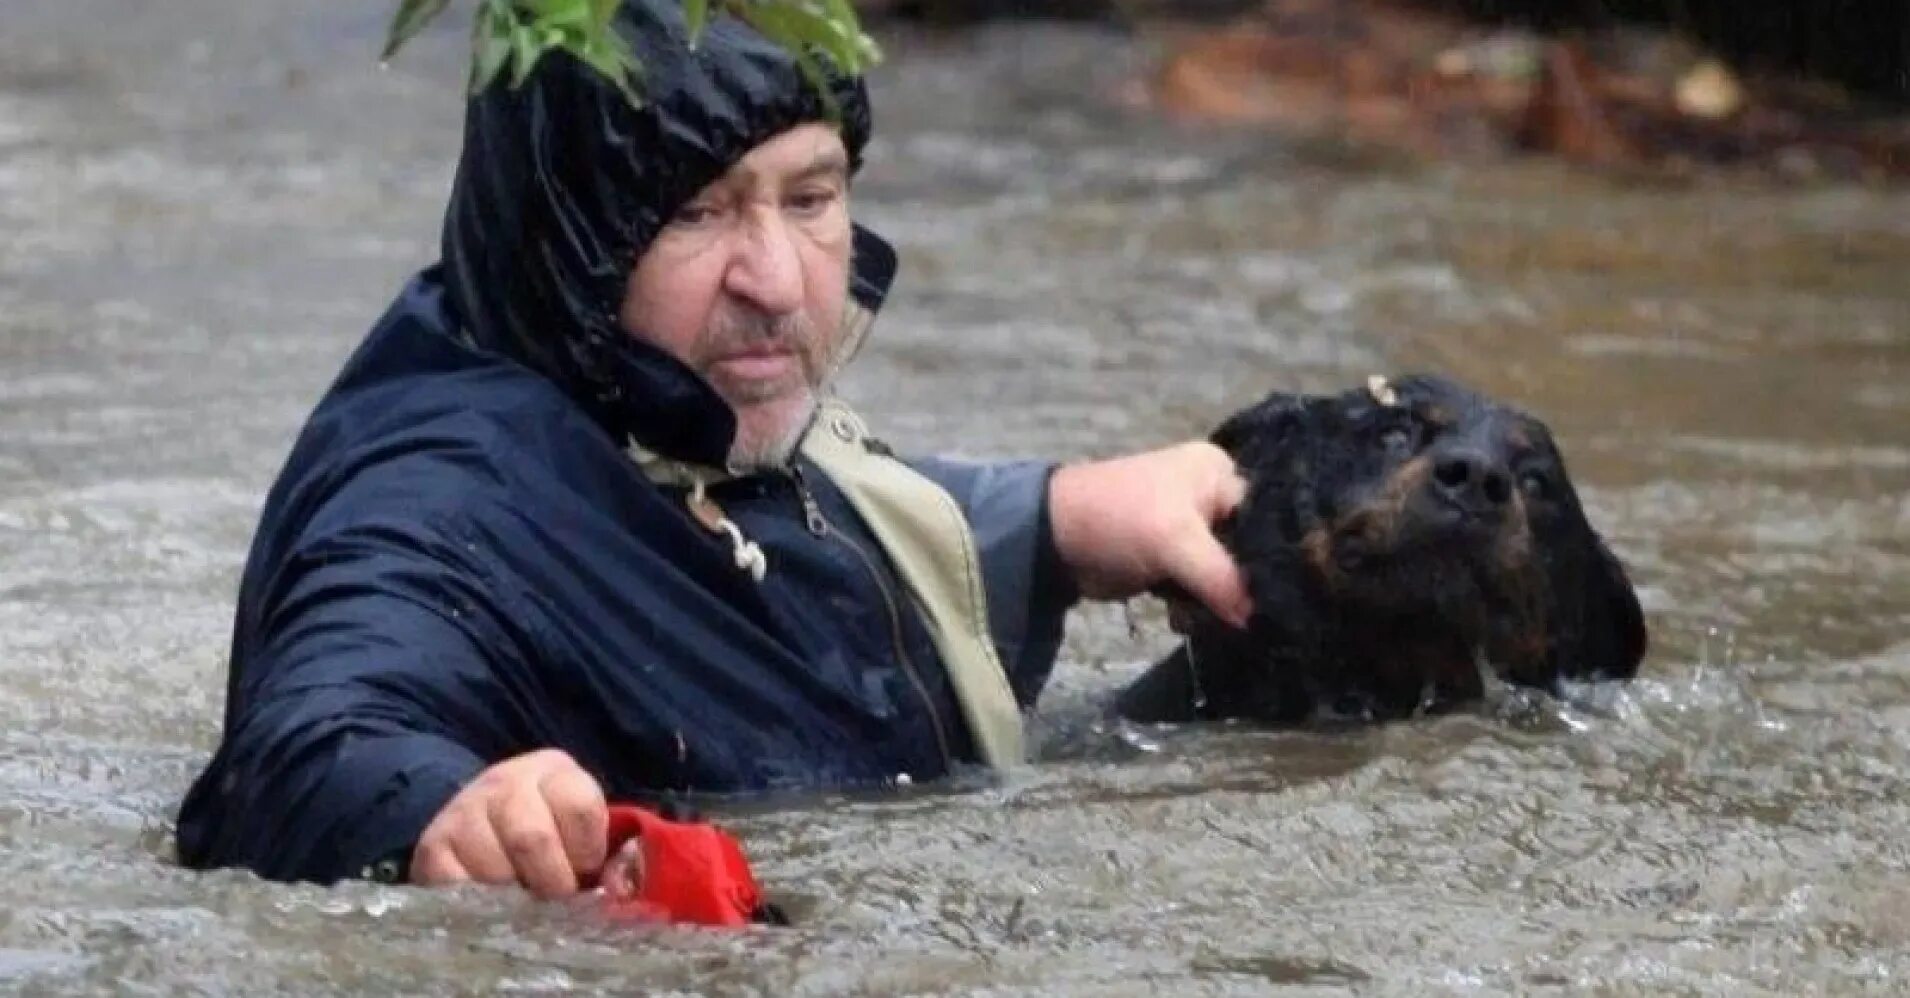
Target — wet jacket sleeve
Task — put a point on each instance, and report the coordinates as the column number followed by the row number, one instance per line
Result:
column 373, row 689
column 1029, row 590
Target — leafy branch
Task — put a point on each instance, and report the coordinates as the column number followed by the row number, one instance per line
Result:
column 516, row 34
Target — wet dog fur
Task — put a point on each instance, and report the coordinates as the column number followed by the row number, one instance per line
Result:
column 1397, row 540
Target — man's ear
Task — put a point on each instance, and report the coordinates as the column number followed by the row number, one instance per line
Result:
column 1610, row 638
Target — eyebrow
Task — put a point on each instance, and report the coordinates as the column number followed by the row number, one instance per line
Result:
column 829, row 162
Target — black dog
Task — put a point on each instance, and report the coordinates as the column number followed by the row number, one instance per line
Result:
column 1397, row 540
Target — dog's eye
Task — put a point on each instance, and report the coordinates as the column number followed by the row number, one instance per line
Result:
column 1398, row 439
column 1535, row 486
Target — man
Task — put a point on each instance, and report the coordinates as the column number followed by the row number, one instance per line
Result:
column 578, row 519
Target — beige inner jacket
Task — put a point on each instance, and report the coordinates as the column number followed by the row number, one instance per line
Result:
column 928, row 540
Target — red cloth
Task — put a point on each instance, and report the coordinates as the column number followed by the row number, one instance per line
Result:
column 692, row 872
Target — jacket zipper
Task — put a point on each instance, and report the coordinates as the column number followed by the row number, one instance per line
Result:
column 819, row 526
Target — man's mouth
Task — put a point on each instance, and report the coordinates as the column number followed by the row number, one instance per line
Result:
column 755, row 365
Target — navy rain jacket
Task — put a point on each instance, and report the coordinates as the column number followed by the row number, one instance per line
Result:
column 459, row 562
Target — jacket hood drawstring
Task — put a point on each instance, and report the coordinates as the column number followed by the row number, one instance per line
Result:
column 748, row 554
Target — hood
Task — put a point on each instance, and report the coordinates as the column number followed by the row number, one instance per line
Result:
column 563, row 183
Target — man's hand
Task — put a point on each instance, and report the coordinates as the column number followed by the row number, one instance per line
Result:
column 1131, row 523
column 538, row 820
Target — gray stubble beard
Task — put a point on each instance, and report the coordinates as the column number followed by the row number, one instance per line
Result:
column 819, row 380
column 747, row 456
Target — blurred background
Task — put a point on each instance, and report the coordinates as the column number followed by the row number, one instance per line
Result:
column 1679, row 231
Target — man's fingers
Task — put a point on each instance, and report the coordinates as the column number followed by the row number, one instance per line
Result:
column 435, row 864
column 537, row 819
column 528, row 834
column 577, row 805
column 1209, row 574
column 480, row 852
column 1233, row 491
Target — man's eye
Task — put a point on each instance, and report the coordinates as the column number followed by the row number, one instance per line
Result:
column 811, row 202
column 693, row 214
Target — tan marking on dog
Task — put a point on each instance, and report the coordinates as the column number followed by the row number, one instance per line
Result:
column 1317, row 547
column 1378, row 520
column 1514, row 555
column 1512, row 549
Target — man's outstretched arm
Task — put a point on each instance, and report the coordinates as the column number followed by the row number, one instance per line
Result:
column 378, row 683
column 1101, row 529
column 1028, row 588
column 1126, row 525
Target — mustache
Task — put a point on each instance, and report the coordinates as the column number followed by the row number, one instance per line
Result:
column 732, row 331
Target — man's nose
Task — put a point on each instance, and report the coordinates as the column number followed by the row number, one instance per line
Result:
column 1471, row 480
column 766, row 269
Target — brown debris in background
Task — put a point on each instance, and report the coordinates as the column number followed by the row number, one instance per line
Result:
column 1381, row 73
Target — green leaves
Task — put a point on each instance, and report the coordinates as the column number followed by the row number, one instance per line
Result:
column 490, row 43
column 696, row 13
column 806, row 28
column 518, row 34
column 411, row 18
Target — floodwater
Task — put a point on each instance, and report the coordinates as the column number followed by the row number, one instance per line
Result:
column 204, row 203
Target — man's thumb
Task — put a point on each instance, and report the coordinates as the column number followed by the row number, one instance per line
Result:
column 1209, row 574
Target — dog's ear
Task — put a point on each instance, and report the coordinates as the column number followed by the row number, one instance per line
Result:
column 1262, row 423
column 1608, row 639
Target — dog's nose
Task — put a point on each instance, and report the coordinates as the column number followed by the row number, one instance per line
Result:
column 1472, row 481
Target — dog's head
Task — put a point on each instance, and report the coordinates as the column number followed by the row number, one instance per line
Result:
column 1397, row 538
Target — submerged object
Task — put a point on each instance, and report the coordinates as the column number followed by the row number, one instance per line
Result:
column 678, row 872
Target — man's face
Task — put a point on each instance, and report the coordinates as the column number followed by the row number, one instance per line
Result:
column 746, row 285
